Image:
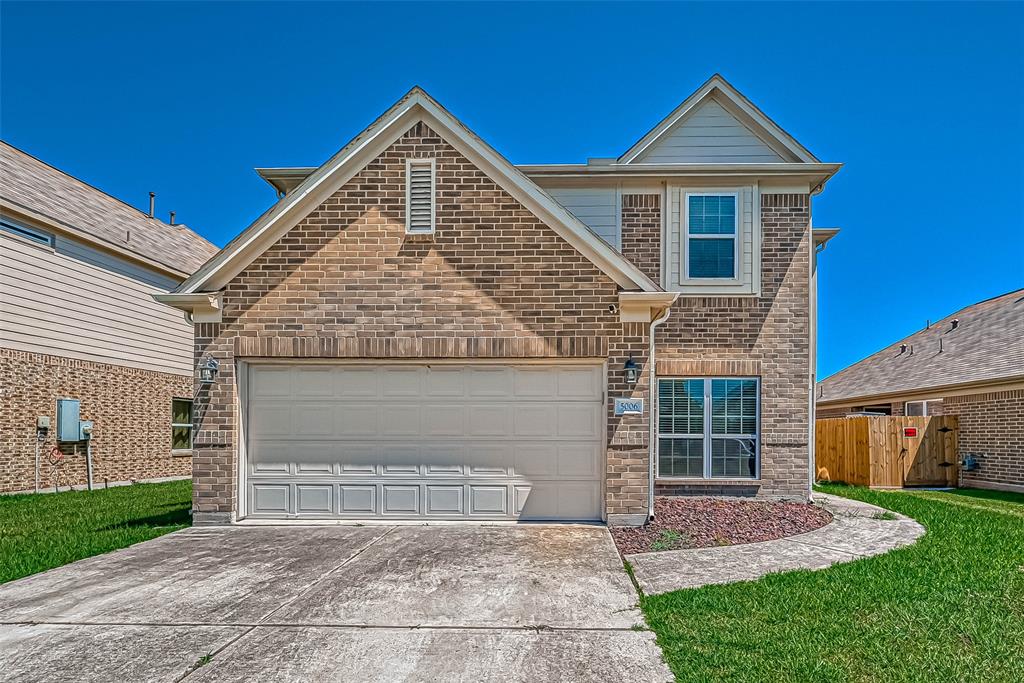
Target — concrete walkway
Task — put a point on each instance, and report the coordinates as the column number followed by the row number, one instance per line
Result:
column 857, row 530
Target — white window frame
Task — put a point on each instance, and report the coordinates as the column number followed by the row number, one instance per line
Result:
column 707, row 435
column 735, row 237
column 409, row 163
column 924, row 407
column 24, row 232
column 191, row 428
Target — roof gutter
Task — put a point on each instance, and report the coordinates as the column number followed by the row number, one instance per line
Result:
column 202, row 307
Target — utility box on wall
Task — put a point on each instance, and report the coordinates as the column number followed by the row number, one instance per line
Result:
column 68, row 418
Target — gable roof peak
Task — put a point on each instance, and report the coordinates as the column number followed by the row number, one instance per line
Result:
column 415, row 106
column 746, row 112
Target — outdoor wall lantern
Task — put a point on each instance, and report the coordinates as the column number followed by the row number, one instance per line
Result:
column 632, row 370
column 208, row 371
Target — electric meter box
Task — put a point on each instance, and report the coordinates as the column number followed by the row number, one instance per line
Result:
column 68, row 418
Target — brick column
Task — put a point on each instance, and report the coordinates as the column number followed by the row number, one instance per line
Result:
column 214, row 425
column 628, row 436
column 641, row 232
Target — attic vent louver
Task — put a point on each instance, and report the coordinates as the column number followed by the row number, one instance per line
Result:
column 419, row 196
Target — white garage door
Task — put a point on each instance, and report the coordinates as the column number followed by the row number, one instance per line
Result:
column 424, row 442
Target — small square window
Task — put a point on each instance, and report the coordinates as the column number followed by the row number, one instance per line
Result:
column 181, row 424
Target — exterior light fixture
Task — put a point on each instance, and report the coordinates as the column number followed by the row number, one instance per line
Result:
column 208, row 371
column 632, row 370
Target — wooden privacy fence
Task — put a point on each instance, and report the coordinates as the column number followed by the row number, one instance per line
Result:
column 887, row 452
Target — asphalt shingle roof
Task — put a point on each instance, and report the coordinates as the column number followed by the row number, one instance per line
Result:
column 31, row 184
column 987, row 345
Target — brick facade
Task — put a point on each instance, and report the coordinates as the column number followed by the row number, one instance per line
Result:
column 767, row 336
column 131, row 409
column 991, row 429
column 347, row 282
column 494, row 282
column 641, row 230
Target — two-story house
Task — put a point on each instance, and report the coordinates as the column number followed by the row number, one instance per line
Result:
column 419, row 329
column 81, row 339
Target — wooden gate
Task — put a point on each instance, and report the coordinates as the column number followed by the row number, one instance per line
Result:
column 887, row 452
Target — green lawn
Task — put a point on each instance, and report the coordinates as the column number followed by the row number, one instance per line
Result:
column 46, row 530
column 949, row 608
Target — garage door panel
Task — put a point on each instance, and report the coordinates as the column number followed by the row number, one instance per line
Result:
column 490, row 382
column 358, row 500
column 313, row 382
column 401, row 459
column 578, row 382
column 270, row 420
column 271, row 381
column 579, row 420
column 489, row 420
column 534, row 420
column 402, row 381
column 488, row 500
column 312, row 419
column 399, row 419
column 536, row 382
column 356, row 382
column 271, row 498
column 355, row 420
column 444, row 420
column 314, row 499
column 445, row 382
column 415, row 442
column 401, row 500
column 445, row 500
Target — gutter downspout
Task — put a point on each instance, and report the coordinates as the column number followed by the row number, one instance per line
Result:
column 651, row 441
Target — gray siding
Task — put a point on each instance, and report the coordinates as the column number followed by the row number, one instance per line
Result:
column 78, row 302
column 709, row 134
column 596, row 207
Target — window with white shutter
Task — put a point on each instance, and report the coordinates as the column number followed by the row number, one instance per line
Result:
column 419, row 195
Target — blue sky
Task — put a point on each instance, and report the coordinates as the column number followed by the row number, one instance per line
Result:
column 924, row 103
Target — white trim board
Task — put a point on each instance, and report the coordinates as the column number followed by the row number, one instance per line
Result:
column 415, row 107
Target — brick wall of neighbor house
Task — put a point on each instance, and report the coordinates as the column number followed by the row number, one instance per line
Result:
column 992, row 429
column 494, row 282
column 131, row 409
column 765, row 336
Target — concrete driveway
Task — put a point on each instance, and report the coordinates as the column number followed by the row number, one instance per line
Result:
column 370, row 603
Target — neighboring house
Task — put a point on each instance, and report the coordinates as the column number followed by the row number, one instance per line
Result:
column 969, row 364
column 419, row 329
column 78, row 270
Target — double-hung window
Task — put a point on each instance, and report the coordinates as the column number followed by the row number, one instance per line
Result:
column 708, row 428
column 181, row 424
column 711, row 230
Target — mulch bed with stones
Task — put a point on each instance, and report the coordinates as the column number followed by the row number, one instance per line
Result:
column 681, row 523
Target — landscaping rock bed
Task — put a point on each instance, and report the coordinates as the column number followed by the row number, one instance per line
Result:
column 681, row 523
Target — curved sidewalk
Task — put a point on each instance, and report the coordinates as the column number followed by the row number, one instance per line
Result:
column 857, row 530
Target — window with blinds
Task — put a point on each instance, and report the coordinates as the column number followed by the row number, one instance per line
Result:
column 708, row 427
column 711, row 229
column 419, row 196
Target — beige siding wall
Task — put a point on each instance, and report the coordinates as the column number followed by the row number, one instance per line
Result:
column 77, row 302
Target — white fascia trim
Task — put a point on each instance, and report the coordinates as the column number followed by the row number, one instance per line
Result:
column 202, row 307
column 644, row 307
column 350, row 160
column 718, row 84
